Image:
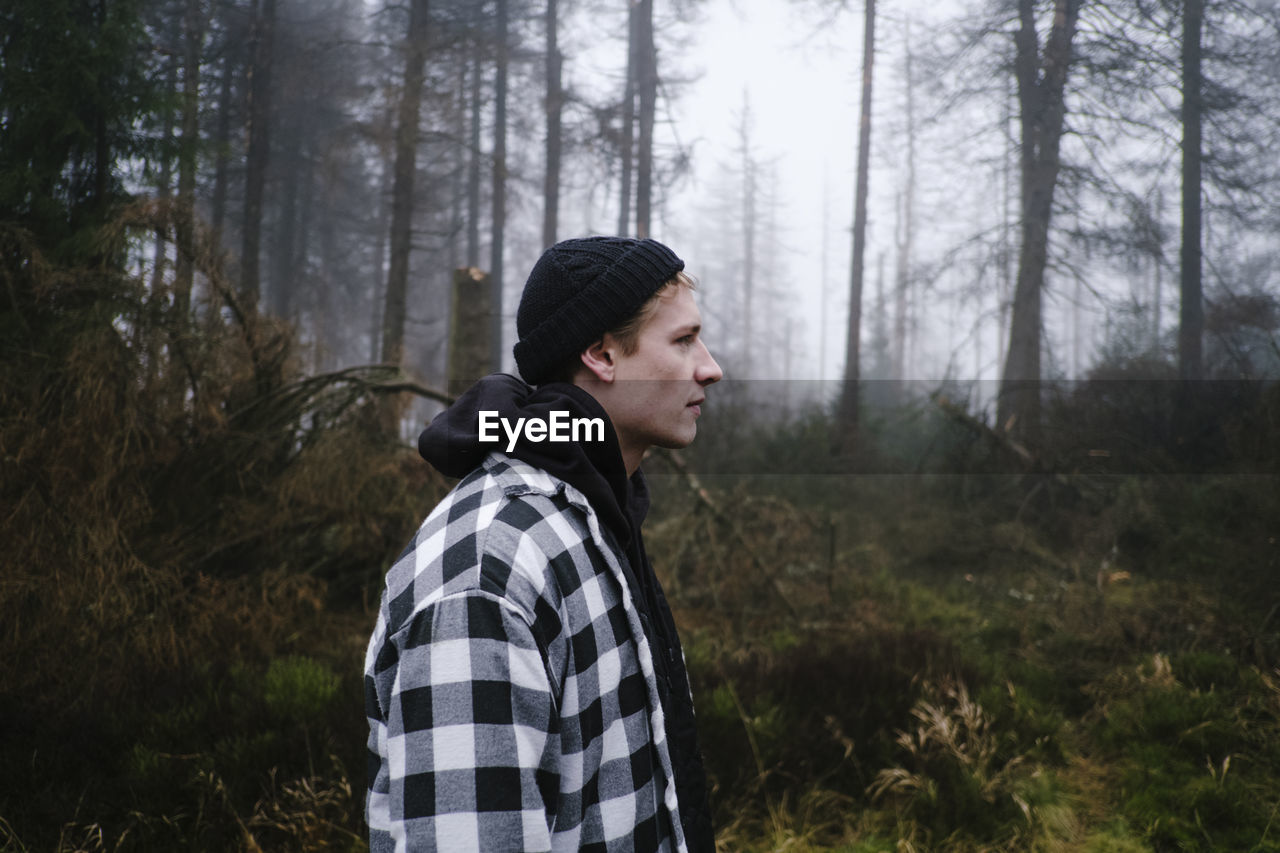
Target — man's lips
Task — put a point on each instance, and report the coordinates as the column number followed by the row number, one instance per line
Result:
column 696, row 405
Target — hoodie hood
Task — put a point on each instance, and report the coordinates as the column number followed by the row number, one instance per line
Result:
column 451, row 443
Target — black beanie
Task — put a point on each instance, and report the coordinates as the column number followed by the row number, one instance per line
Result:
column 578, row 290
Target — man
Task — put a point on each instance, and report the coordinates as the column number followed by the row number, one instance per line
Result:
column 524, row 684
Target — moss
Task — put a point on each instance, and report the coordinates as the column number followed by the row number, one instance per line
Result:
column 1206, row 670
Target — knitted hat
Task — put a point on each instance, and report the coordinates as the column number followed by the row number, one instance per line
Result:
column 580, row 289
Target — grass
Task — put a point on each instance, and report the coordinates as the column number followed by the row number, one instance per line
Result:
column 190, row 526
column 955, row 659
column 949, row 682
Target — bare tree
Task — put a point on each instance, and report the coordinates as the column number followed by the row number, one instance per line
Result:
column 554, row 105
column 258, row 146
column 222, row 142
column 1191, row 318
column 497, row 244
column 1041, row 76
column 164, row 181
column 749, row 168
column 626, row 145
column 905, row 234
column 193, row 28
column 647, row 90
column 847, row 413
column 473, row 143
column 393, row 317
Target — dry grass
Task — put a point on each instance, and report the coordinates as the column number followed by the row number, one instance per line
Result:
column 180, row 506
column 185, row 513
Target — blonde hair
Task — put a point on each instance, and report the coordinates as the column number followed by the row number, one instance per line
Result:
column 628, row 333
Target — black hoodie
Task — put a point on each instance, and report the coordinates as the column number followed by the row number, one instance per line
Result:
column 452, row 444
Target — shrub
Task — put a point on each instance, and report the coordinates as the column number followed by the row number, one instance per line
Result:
column 958, row 776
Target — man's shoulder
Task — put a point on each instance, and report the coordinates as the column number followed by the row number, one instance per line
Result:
column 505, row 516
column 481, row 494
column 508, row 490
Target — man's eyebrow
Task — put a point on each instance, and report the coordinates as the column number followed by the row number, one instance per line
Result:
column 688, row 329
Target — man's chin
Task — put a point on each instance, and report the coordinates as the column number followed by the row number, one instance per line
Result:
column 680, row 442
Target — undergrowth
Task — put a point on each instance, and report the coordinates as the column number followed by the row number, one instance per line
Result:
column 192, row 526
column 918, row 648
column 936, row 661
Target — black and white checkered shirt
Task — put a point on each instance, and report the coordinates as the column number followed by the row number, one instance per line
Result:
column 510, row 690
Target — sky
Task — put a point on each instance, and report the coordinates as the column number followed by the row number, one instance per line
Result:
column 801, row 80
column 798, row 64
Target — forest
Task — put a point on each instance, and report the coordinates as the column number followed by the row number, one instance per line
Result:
column 977, row 549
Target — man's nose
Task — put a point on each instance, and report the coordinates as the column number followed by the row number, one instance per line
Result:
column 708, row 371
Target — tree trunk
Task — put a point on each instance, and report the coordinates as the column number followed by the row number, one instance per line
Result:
column 379, row 271
column 193, row 46
column 822, row 299
column 1077, row 331
column 473, row 169
column 748, row 235
column 322, row 295
column 164, row 182
column 906, row 238
column 846, row 434
column 259, row 148
column 307, row 209
column 222, row 149
column 1041, row 97
column 1004, row 300
column 1157, row 285
column 409, row 110
column 1191, row 318
column 647, row 85
column 499, row 214
column 457, row 172
column 626, row 146
column 102, row 159
column 285, row 273
column 469, row 350
column 555, row 98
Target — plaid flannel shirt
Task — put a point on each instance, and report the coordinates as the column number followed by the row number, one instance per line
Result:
column 509, row 686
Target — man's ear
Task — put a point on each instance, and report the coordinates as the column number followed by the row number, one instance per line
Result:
column 599, row 359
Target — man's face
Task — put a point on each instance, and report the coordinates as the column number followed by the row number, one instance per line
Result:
column 658, row 389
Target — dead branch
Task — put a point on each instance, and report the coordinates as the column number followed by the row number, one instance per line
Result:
column 1001, row 438
column 704, row 497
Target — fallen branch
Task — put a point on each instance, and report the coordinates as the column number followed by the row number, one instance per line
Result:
column 1001, row 438
column 395, row 383
column 704, row 497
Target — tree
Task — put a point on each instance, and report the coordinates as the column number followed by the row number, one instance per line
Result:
column 905, row 233
column 498, row 219
column 647, row 91
column 1191, row 317
column 749, row 167
column 193, row 28
column 222, row 136
column 1135, row 99
column 473, row 144
column 554, row 105
column 402, row 203
column 71, row 116
column 1041, row 76
column 626, row 144
column 847, row 413
column 164, row 178
column 258, row 147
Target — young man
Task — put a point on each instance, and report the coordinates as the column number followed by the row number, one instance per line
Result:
column 524, row 684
